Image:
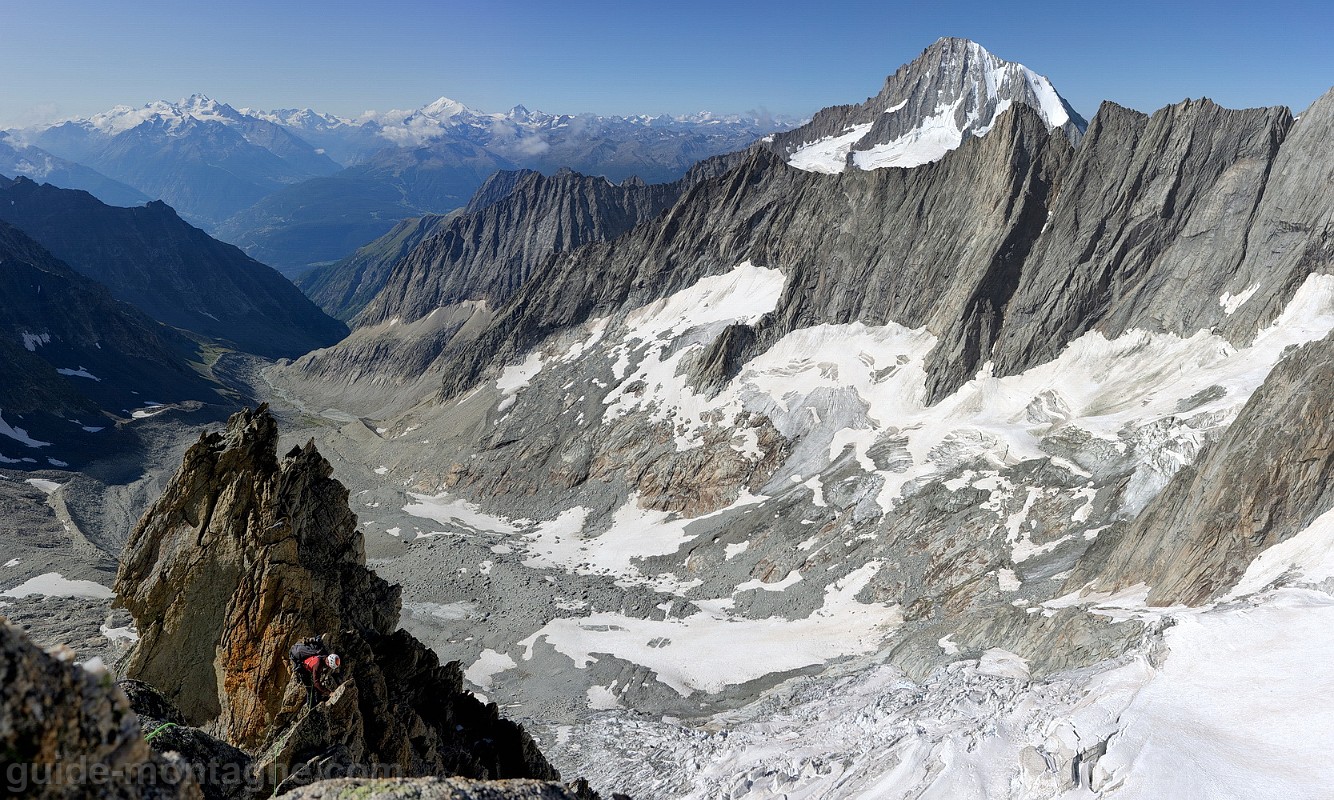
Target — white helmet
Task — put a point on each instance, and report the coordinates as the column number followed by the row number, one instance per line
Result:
column 333, row 661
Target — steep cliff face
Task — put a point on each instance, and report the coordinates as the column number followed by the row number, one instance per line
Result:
column 1292, row 234
column 245, row 554
column 940, row 246
column 343, row 289
column 1149, row 230
column 67, row 732
column 487, row 255
column 440, row 293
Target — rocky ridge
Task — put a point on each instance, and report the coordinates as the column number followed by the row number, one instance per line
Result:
column 431, row 299
column 246, row 553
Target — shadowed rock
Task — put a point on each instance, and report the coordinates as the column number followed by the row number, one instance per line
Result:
column 67, row 732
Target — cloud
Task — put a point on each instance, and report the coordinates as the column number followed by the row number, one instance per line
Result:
column 41, row 114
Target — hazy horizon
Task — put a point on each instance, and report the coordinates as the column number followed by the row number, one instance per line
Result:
column 74, row 59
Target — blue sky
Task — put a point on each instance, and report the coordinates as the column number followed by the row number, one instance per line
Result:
column 61, row 58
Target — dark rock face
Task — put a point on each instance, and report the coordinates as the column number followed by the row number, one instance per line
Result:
column 1007, row 249
column 497, row 187
column 177, row 274
column 487, row 255
column 52, row 318
column 244, row 555
column 66, row 732
column 1269, row 477
column 343, row 289
column 222, row 771
column 462, row 268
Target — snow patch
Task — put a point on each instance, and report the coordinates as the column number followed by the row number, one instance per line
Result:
column 488, row 665
column 126, row 634
column 79, row 373
column 53, row 584
column 1231, row 302
column 19, row 435
column 46, row 486
column 516, row 377
column 828, row 155
column 712, row 649
column 457, row 512
column 1307, row 556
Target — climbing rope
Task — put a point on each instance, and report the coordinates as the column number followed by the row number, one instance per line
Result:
column 159, row 729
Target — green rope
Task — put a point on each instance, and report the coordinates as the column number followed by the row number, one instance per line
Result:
column 159, row 729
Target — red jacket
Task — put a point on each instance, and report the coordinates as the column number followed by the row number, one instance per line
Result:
column 312, row 666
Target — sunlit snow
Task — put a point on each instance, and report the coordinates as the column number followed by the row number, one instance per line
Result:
column 53, row 584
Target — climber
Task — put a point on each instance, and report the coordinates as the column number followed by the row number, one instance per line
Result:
column 314, row 665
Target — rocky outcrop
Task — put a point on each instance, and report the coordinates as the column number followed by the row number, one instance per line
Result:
column 177, row 274
column 243, row 555
column 1268, row 478
column 66, row 731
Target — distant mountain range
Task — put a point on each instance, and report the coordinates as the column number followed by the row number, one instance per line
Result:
column 297, row 187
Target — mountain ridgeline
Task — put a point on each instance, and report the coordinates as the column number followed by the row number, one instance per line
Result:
column 459, row 269
column 297, row 189
column 1005, row 250
column 177, row 274
column 1157, row 215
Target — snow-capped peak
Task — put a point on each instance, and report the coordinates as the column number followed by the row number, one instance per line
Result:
column 997, row 72
column 954, row 90
column 444, row 108
column 171, row 115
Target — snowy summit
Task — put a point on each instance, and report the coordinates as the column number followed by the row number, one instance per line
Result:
column 954, row 90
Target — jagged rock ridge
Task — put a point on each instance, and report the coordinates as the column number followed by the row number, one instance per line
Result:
column 443, row 290
column 245, row 554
